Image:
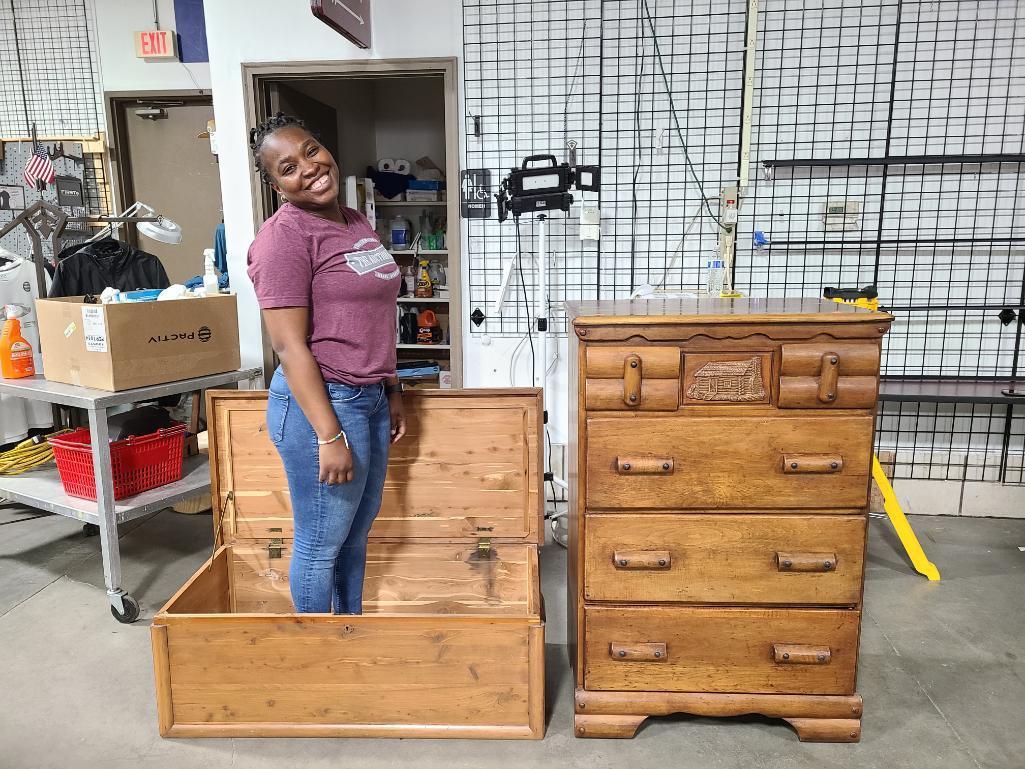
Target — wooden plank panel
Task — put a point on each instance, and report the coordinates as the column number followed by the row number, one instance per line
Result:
column 389, row 672
column 655, row 362
column 725, row 558
column 207, row 590
column 853, row 359
column 721, row 649
column 851, row 392
column 728, row 462
column 379, row 731
column 397, row 703
column 162, row 678
column 719, row 704
column 469, row 466
column 715, row 311
column 402, row 578
column 656, row 395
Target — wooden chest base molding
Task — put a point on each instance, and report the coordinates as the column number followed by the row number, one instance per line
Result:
column 451, row 641
column 718, row 519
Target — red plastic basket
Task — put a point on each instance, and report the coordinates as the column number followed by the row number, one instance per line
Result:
column 138, row 463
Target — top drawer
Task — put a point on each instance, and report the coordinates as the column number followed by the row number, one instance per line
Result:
column 829, row 375
column 632, row 379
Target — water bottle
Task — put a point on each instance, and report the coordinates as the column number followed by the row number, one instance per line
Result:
column 715, row 273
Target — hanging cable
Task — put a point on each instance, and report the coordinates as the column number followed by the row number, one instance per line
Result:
column 526, row 304
column 676, row 119
column 679, row 247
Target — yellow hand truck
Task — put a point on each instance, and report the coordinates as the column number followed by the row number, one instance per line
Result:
column 868, row 297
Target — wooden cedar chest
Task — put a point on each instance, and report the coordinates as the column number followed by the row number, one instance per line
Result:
column 719, row 499
column 451, row 643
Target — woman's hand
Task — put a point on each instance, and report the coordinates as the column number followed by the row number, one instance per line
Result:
column 398, row 417
column 335, row 463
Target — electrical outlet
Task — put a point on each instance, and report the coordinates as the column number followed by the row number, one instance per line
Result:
column 841, row 214
column 590, row 223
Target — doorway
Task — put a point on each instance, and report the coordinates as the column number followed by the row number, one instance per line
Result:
column 365, row 111
column 161, row 160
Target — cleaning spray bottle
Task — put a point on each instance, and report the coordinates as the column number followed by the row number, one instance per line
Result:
column 15, row 352
column 424, row 286
column 210, row 284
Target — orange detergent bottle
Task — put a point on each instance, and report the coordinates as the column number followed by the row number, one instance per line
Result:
column 15, row 353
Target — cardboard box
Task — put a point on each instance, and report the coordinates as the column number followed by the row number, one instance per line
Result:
column 122, row 346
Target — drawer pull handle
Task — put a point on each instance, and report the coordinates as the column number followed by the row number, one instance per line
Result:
column 806, row 562
column 632, row 380
column 796, row 654
column 639, row 652
column 642, row 559
column 812, row 463
column 645, row 465
column 829, row 374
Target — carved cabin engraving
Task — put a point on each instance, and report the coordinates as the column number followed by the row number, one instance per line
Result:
column 733, row 381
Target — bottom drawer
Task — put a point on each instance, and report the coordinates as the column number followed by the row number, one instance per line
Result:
column 756, row 651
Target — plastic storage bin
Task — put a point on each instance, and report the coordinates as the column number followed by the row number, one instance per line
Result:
column 138, row 463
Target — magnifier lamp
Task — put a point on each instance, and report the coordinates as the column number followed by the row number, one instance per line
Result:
column 148, row 223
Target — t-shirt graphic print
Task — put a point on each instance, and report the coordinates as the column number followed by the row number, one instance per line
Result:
column 371, row 256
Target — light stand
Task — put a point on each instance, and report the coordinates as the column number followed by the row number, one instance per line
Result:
column 534, row 190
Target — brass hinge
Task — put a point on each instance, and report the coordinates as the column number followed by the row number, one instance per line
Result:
column 484, row 546
column 274, row 546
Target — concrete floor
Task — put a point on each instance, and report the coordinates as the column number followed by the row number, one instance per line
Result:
column 942, row 667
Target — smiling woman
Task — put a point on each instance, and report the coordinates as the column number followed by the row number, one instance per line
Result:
column 327, row 290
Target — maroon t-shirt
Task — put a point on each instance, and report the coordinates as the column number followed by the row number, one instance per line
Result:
column 347, row 279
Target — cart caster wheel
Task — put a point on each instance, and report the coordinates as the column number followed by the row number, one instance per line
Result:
column 90, row 529
column 131, row 610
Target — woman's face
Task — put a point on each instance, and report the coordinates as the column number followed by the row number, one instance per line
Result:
column 300, row 168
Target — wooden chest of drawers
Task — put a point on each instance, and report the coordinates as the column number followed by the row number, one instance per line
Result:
column 719, row 480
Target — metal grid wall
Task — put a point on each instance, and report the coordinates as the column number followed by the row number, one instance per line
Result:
column 51, row 78
column 836, row 81
column 936, row 238
column 953, row 442
column 849, row 90
column 532, row 73
column 653, row 185
column 49, row 68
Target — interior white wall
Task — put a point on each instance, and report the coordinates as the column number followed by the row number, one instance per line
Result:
column 120, row 69
column 353, row 99
column 395, row 101
column 374, row 118
column 401, row 29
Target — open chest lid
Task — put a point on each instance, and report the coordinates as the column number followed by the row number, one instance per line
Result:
column 468, row 469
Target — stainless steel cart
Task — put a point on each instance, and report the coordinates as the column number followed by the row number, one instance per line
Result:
column 42, row 488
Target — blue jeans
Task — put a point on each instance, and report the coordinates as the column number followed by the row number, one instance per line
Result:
column 329, row 550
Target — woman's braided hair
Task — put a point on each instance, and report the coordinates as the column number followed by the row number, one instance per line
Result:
column 265, row 129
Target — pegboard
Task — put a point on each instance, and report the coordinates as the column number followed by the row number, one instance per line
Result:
column 910, row 112
column 16, row 156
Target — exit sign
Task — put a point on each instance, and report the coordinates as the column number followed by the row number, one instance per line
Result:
column 155, row 44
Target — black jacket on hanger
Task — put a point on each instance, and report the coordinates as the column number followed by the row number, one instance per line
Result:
column 88, row 268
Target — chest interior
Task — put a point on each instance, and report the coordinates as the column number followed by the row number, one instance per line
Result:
column 458, row 530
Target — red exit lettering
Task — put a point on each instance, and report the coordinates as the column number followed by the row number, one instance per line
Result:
column 152, row 43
